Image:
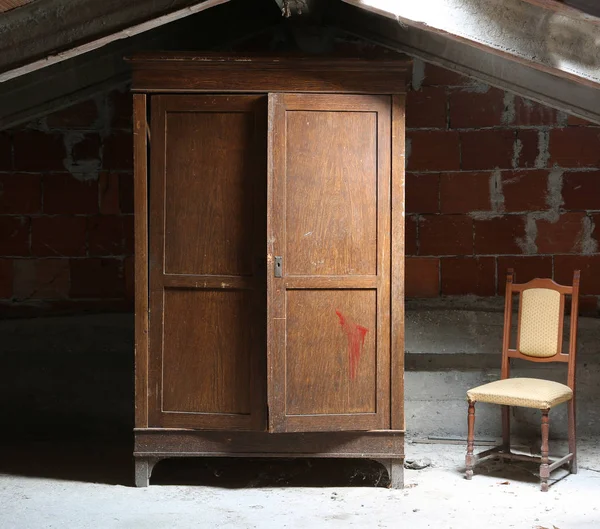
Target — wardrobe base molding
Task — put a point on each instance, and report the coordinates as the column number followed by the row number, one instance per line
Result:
column 153, row 445
column 191, row 443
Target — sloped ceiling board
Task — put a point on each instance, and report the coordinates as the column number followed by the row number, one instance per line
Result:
column 62, row 84
column 7, row 5
column 560, row 76
column 44, row 33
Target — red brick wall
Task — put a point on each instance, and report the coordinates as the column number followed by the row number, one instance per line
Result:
column 66, row 210
column 496, row 181
column 493, row 181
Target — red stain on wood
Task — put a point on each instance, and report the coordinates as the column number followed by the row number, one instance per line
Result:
column 356, row 340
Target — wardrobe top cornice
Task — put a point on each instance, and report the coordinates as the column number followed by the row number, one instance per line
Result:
column 396, row 62
column 255, row 73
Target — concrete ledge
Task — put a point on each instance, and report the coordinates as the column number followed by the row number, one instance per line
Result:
column 464, row 328
column 454, row 345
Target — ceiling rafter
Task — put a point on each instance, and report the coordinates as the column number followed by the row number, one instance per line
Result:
column 41, row 34
column 560, row 41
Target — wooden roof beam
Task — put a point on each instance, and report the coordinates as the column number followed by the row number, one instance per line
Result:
column 41, row 34
column 542, row 34
column 569, row 84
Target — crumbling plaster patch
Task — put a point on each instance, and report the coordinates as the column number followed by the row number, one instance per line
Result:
column 82, row 170
column 509, row 112
column 543, row 156
column 418, row 74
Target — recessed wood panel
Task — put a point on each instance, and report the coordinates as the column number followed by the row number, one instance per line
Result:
column 208, row 204
column 330, row 353
column 331, row 193
column 207, row 351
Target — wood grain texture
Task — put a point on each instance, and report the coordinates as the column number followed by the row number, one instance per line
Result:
column 250, row 61
column 140, row 154
column 330, row 213
column 176, row 443
column 190, row 72
column 207, row 290
column 330, row 351
column 208, row 217
column 316, row 179
column 397, row 287
column 275, row 353
column 207, row 350
column 7, row 5
column 331, row 219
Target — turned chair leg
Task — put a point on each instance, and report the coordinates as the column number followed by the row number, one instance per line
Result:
column 572, row 435
column 506, row 428
column 544, row 467
column 469, row 459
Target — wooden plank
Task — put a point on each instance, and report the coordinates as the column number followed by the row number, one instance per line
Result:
column 245, row 62
column 331, row 218
column 65, row 83
column 397, row 270
column 500, row 71
column 523, row 38
column 275, row 305
column 7, row 5
column 384, row 257
column 90, row 23
column 198, row 78
column 173, row 443
column 156, row 251
column 140, row 153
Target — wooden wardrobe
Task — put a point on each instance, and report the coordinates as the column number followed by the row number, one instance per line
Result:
column 269, row 228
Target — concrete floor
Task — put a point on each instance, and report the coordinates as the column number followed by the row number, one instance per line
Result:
column 80, row 486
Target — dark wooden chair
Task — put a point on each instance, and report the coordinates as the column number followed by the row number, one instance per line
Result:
column 539, row 339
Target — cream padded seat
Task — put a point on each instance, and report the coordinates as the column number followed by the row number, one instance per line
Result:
column 526, row 392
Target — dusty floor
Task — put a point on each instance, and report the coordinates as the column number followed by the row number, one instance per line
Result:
column 78, row 487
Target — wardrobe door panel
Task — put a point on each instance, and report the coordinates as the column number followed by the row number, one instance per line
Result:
column 207, row 293
column 208, row 217
column 206, row 352
column 331, row 186
column 330, row 352
column 329, row 228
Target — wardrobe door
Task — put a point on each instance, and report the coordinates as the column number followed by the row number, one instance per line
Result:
column 329, row 259
column 207, row 294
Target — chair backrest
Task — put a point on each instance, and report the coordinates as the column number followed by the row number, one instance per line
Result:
column 540, row 323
